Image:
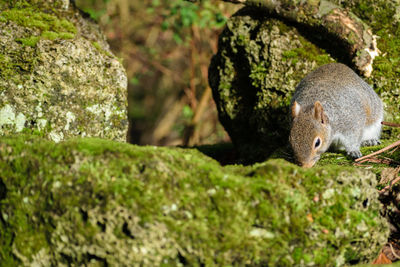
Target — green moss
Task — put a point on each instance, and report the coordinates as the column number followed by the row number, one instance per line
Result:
column 39, row 24
column 50, row 35
column 34, row 18
column 66, row 26
column 6, row 68
column 257, row 74
column 96, row 45
column 94, row 200
column 66, row 35
column 30, row 41
column 101, row 50
column 14, row 65
column 307, row 52
column 50, row 26
column 34, row 132
column 289, row 54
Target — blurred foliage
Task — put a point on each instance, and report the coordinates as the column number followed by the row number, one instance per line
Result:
column 166, row 47
column 95, row 8
column 183, row 15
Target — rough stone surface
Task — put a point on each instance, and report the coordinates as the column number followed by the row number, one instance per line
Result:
column 103, row 203
column 261, row 59
column 58, row 77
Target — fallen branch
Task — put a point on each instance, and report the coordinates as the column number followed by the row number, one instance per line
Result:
column 394, row 150
column 361, row 165
column 395, row 144
column 391, row 124
column 384, row 160
column 394, row 253
column 390, row 185
column 390, row 160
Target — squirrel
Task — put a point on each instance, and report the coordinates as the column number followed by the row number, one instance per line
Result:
column 333, row 108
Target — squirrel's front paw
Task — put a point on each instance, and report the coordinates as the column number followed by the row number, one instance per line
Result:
column 354, row 154
column 371, row 142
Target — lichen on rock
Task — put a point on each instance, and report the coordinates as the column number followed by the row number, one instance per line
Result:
column 92, row 201
column 53, row 81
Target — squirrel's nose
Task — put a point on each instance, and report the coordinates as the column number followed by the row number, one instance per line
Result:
column 308, row 164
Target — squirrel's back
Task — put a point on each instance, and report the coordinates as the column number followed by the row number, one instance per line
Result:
column 342, row 93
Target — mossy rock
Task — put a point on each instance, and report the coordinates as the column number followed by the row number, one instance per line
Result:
column 259, row 62
column 261, row 58
column 58, row 78
column 93, row 201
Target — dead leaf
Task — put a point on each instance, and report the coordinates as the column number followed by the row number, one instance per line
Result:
column 382, row 259
column 391, row 251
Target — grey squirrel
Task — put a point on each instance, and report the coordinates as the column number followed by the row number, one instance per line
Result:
column 332, row 107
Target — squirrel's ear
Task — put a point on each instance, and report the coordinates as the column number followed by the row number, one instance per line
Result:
column 319, row 113
column 295, row 109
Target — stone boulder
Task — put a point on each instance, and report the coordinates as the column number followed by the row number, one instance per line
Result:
column 96, row 202
column 58, row 77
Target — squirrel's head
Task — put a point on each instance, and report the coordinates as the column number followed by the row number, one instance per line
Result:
column 310, row 133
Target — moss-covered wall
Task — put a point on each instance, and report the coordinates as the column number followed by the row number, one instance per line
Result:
column 92, row 201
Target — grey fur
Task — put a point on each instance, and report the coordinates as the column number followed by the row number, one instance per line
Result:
column 353, row 110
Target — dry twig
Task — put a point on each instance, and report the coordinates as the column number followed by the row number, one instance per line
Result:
column 390, row 185
column 394, row 253
column 391, row 124
column 383, row 160
column 395, row 144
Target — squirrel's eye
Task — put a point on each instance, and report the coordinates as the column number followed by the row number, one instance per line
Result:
column 317, row 142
